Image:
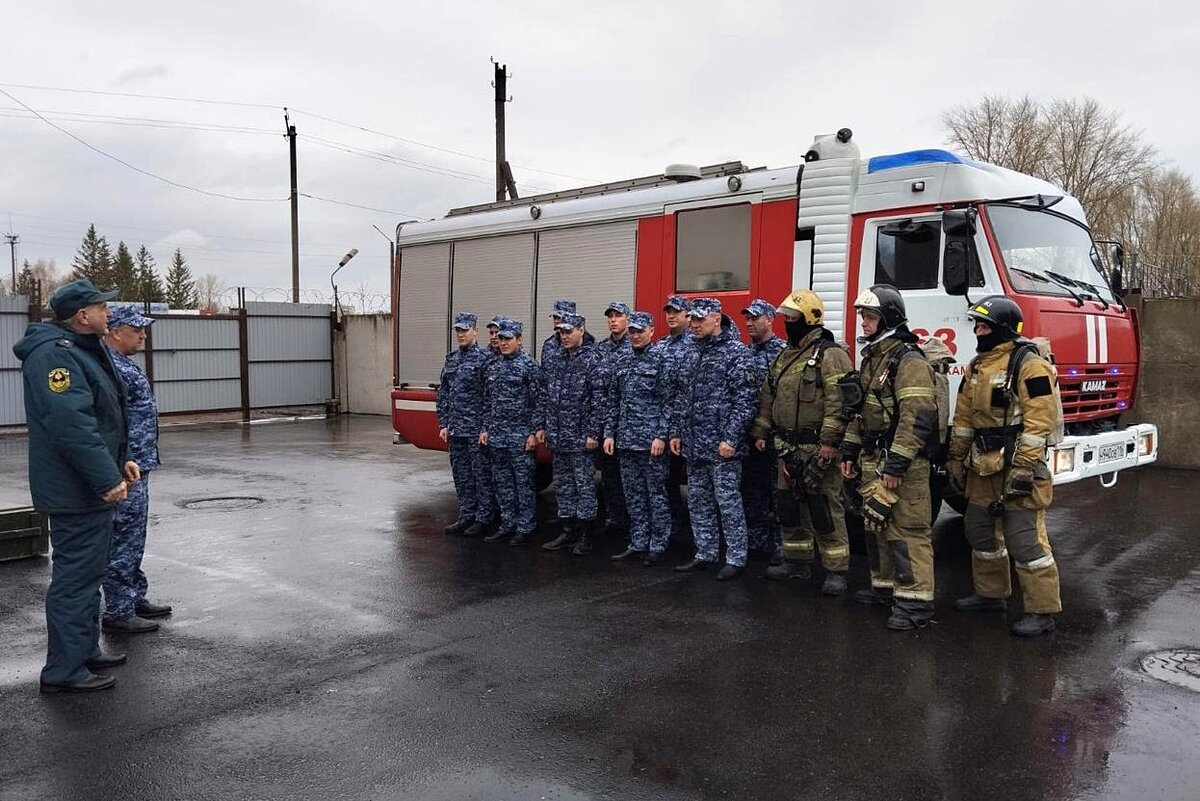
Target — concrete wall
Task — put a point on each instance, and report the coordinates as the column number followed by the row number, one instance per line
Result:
column 1169, row 390
column 363, row 354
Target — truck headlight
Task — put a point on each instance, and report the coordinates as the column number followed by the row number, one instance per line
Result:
column 1064, row 460
column 1146, row 443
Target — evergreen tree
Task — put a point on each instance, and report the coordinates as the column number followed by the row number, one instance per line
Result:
column 124, row 274
column 181, row 288
column 94, row 260
column 26, row 280
column 150, row 287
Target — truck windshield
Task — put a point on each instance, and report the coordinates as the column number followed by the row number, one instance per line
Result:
column 1046, row 253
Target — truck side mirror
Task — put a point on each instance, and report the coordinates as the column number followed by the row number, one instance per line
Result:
column 959, row 223
column 956, row 263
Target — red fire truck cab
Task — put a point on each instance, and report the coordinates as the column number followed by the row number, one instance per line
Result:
column 836, row 224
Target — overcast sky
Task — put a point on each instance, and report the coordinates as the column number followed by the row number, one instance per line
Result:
column 601, row 91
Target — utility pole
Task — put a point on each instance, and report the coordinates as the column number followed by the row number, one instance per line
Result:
column 500, row 83
column 12, row 240
column 291, row 137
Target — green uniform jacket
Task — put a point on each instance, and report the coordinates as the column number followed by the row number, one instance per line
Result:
column 799, row 395
column 910, row 395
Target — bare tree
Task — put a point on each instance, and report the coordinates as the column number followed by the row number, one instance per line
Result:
column 209, row 289
column 1162, row 225
column 999, row 131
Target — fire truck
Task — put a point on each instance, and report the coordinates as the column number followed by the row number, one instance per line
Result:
column 942, row 228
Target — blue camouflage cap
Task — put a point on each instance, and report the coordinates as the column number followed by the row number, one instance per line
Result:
column 497, row 321
column 509, row 328
column 570, row 321
column 640, row 320
column 130, row 316
column 678, row 303
column 464, row 321
column 759, row 308
column 562, row 308
column 70, row 298
column 618, row 307
column 702, row 307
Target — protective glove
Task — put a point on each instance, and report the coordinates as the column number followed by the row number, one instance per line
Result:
column 1018, row 482
column 876, row 514
column 956, row 473
column 814, row 473
column 850, row 451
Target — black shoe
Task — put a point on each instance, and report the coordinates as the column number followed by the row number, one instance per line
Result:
column 128, row 625
column 730, row 572
column 834, row 584
column 583, row 547
column 520, row 539
column 653, row 559
column 458, row 526
column 147, row 610
column 789, row 570
column 475, row 529
column 693, row 566
column 628, row 553
column 1033, row 625
column 497, row 535
column 90, row 684
column 565, row 539
column 977, row 603
column 105, row 661
column 873, row 597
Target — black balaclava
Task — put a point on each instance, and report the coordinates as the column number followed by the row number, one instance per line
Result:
column 797, row 329
column 993, row 338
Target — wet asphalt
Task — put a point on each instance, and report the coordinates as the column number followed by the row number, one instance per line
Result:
column 331, row 642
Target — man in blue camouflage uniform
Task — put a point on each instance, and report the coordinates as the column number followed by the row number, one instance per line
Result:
column 510, row 425
column 571, row 414
column 674, row 346
column 460, row 419
column 708, row 427
column 126, row 609
column 78, row 471
column 612, row 348
column 553, row 342
column 493, row 353
column 759, row 467
column 636, row 431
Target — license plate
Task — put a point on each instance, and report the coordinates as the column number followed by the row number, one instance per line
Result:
column 1111, row 453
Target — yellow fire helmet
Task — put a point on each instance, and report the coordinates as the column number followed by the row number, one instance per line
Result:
column 806, row 304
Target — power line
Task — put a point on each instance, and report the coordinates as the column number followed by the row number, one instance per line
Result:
column 100, row 224
column 136, row 168
column 137, row 122
column 131, row 94
column 356, row 206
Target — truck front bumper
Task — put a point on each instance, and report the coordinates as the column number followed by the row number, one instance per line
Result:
column 1104, row 455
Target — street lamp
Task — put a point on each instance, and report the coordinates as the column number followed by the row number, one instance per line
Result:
column 350, row 254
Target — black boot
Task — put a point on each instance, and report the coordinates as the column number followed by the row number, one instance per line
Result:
column 1033, row 625
column 565, row 538
column 497, row 535
column 475, row 529
column 873, row 597
column 628, row 553
column 835, row 583
column 458, row 526
column 789, row 570
column 977, row 603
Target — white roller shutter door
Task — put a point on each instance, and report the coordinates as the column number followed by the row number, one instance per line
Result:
column 424, row 324
column 592, row 266
column 495, row 276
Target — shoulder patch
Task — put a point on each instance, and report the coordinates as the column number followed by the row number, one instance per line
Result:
column 64, row 343
column 1038, row 386
column 59, row 379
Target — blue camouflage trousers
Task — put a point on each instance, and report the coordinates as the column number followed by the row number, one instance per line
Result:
column 516, row 493
column 715, row 506
column 644, row 479
column 575, row 484
column 124, row 582
column 758, row 491
column 472, row 479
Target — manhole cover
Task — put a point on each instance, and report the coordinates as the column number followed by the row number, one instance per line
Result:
column 1181, row 667
column 228, row 503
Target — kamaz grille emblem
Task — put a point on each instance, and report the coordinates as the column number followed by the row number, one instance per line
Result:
column 1094, row 386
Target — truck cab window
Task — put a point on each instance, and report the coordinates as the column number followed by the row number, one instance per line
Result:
column 712, row 249
column 908, row 254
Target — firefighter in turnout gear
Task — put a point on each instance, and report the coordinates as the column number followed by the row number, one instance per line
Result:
column 885, row 446
column 997, row 457
column 800, row 410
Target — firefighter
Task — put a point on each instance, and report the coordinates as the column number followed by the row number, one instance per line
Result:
column 801, row 409
column 510, row 403
column 677, row 342
column 460, row 419
column 612, row 348
column 998, row 459
column 885, row 446
column 758, row 470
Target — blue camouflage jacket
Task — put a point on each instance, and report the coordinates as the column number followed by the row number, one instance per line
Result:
column 638, row 406
column 675, row 347
column 141, row 412
column 717, row 395
column 510, row 400
column 460, row 391
column 553, row 344
column 74, row 407
column 572, row 399
column 764, row 354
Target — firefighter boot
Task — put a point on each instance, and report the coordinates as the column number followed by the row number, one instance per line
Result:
column 1033, row 625
column 789, row 569
column 873, row 597
column 977, row 603
column 834, row 584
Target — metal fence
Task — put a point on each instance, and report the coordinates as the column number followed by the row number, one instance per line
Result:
column 265, row 355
